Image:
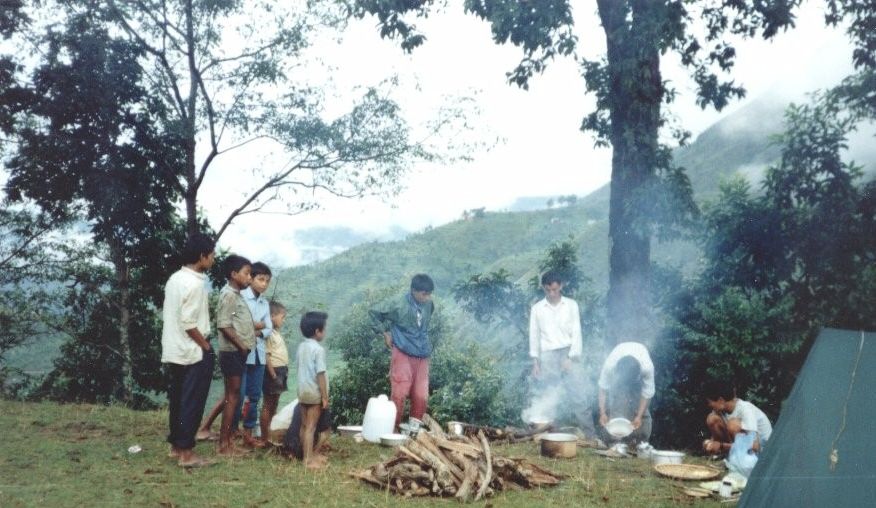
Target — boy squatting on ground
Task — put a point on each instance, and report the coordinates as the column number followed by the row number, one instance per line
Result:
column 404, row 323
column 237, row 338
column 185, row 348
column 277, row 364
column 731, row 415
column 311, row 420
column 252, row 379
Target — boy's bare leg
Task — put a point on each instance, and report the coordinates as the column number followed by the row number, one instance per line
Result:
column 269, row 409
column 322, row 441
column 232, row 395
column 309, row 418
column 719, row 434
column 204, row 431
column 252, row 442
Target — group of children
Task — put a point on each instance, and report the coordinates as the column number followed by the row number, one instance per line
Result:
column 253, row 359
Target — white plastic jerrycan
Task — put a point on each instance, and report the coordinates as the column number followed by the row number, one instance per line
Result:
column 379, row 418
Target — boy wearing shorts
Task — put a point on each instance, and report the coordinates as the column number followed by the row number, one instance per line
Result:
column 236, row 339
column 277, row 364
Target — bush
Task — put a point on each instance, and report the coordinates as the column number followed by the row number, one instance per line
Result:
column 739, row 336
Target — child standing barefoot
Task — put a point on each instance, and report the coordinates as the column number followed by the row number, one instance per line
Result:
column 312, row 387
column 277, row 369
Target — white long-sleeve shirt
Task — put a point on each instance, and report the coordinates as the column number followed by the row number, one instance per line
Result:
column 554, row 327
column 640, row 353
column 185, row 307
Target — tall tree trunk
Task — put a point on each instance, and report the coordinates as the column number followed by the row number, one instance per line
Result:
column 123, row 289
column 634, row 73
column 191, row 191
column 192, row 184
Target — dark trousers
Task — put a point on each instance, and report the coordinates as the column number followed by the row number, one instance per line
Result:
column 187, row 390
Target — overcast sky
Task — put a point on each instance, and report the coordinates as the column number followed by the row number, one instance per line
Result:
column 542, row 152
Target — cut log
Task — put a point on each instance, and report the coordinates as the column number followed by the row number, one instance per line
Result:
column 411, row 454
column 443, row 476
column 427, row 441
column 434, row 427
column 485, row 481
column 471, row 475
column 464, row 447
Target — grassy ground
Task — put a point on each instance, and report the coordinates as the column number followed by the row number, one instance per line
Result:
column 76, row 455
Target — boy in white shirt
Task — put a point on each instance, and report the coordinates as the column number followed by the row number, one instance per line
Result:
column 185, row 348
column 731, row 415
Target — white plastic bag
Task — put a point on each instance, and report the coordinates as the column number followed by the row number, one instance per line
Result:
column 742, row 458
column 283, row 419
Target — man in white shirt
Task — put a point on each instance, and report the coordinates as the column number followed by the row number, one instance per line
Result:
column 555, row 348
column 185, row 348
column 626, row 387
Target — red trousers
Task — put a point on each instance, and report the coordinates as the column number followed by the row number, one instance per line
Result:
column 408, row 377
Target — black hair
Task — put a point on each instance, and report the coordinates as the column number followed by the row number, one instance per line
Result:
column 422, row 282
column 716, row 389
column 628, row 375
column 196, row 246
column 311, row 322
column 276, row 307
column 550, row 277
column 235, row 263
column 259, row 268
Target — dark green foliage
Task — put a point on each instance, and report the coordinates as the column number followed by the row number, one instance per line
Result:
column 779, row 265
column 492, row 298
column 89, row 152
column 33, row 256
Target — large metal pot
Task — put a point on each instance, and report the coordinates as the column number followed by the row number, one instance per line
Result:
column 560, row 446
column 666, row 457
column 455, row 428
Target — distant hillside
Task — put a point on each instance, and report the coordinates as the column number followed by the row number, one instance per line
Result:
column 515, row 240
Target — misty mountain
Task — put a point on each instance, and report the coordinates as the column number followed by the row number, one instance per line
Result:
column 741, row 143
column 322, row 242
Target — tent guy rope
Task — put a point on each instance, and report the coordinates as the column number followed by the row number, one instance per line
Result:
column 834, row 453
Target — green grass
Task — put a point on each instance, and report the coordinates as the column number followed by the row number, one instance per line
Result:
column 76, row 455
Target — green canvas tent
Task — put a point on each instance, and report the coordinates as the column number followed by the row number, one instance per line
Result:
column 822, row 452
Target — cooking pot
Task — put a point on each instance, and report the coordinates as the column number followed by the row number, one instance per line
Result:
column 455, row 428
column 561, row 446
column 349, row 430
column 666, row 457
column 393, row 439
column 539, row 423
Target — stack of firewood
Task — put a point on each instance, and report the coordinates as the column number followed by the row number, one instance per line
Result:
column 508, row 435
column 464, row 467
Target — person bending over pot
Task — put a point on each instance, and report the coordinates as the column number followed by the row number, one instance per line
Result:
column 626, row 386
